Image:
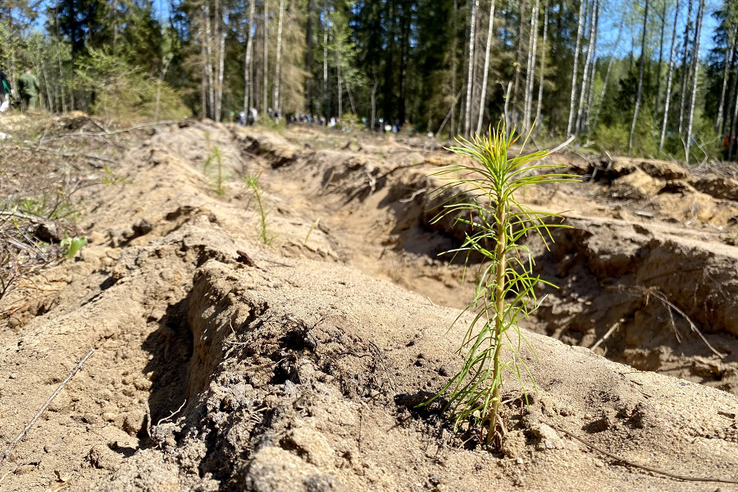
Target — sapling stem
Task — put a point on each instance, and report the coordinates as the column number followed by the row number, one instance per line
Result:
column 485, row 183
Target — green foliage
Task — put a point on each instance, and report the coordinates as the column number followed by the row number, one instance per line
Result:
column 125, row 92
column 110, row 178
column 71, row 246
column 252, row 181
column 215, row 156
column 50, row 206
column 485, row 183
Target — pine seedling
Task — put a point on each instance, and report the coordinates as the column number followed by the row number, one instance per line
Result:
column 252, row 181
column 484, row 186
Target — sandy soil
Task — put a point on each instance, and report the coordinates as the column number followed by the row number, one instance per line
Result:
column 223, row 363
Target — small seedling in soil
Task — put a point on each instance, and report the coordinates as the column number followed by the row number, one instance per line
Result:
column 484, row 186
column 72, row 245
column 252, row 181
column 217, row 156
column 310, row 231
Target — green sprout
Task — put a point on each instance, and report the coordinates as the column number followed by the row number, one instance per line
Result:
column 484, row 190
column 72, row 245
column 252, row 181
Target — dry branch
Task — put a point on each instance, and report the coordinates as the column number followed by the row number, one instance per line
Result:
column 627, row 462
column 25, row 430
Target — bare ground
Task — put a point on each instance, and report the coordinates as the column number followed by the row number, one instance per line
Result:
column 296, row 369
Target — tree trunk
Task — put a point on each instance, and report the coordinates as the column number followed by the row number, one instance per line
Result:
column 607, row 73
column 667, row 97
column 278, row 64
column 374, row 101
column 454, row 49
column 572, row 99
column 726, row 72
column 531, row 70
column 325, row 63
column 731, row 135
column 309, row 57
column 592, row 70
column 265, row 101
column 657, row 98
column 541, row 76
column 247, row 97
column 470, row 77
column 695, row 70
column 685, row 69
column 204, row 56
column 639, row 95
column 220, row 36
column 518, row 58
column 483, row 97
column 733, row 87
column 585, row 74
column 209, row 63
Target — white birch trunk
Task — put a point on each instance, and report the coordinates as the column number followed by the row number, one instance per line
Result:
column 726, row 71
column 531, row 72
column 592, row 71
column 667, row 96
column 573, row 96
column 278, row 64
column 685, row 71
column 221, row 61
column 541, row 76
column 265, row 102
column 695, row 70
column 585, row 74
column 483, row 97
column 209, row 63
column 325, row 63
column 470, row 76
column 639, row 95
column 247, row 65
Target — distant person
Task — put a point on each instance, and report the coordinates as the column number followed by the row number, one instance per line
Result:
column 5, row 92
column 28, row 88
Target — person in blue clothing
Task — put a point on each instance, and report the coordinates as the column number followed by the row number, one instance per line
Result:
column 5, row 92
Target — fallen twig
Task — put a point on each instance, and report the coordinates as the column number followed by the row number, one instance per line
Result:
column 606, row 335
column 669, row 306
column 130, row 129
column 15, row 441
column 67, row 154
column 627, row 462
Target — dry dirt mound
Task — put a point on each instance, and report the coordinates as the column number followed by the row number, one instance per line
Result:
column 225, row 364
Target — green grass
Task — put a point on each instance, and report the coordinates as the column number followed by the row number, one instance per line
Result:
column 485, row 183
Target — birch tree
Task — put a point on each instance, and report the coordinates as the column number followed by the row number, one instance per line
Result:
column 543, row 62
column 726, row 72
column 695, row 70
column 585, row 74
column 265, row 61
column 667, row 98
column 483, row 98
column 575, row 71
column 531, row 69
column 685, row 68
column 639, row 95
column 470, row 76
column 278, row 62
column 248, row 71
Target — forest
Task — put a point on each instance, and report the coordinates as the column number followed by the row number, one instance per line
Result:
column 650, row 78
